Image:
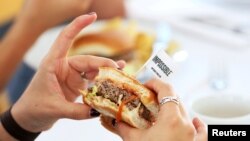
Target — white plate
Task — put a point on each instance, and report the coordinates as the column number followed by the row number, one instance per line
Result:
column 235, row 2
column 221, row 108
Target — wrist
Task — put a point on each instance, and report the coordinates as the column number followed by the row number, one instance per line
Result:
column 25, row 119
column 31, row 116
column 14, row 130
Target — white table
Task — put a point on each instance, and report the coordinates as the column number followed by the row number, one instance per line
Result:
column 191, row 79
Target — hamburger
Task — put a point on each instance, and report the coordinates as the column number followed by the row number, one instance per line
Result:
column 117, row 95
column 115, row 45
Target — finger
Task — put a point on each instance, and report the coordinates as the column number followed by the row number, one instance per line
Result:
column 66, row 37
column 200, row 126
column 108, row 123
column 201, row 131
column 78, row 111
column 162, row 89
column 121, row 64
column 127, row 132
column 121, row 129
column 88, row 63
column 92, row 74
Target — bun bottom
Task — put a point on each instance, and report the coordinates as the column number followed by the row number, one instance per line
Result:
column 108, row 108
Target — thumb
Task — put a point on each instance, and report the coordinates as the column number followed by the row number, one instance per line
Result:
column 77, row 111
column 127, row 132
column 201, row 129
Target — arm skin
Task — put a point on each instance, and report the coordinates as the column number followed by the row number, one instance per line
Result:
column 14, row 45
column 30, row 24
column 108, row 8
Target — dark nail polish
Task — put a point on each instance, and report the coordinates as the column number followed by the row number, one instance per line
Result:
column 91, row 13
column 83, row 77
column 94, row 113
column 114, row 123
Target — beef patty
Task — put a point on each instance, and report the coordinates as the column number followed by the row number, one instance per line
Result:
column 109, row 91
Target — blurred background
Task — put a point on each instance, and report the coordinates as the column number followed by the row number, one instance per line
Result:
column 209, row 41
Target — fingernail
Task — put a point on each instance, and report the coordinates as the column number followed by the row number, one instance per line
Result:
column 91, row 13
column 117, row 66
column 83, row 75
column 114, row 123
column 94, row 113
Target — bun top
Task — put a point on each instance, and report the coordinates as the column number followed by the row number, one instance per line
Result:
column 109, row 44
column 122, row 80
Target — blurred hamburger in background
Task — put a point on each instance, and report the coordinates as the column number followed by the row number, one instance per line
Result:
column 119, row 40
column 111, row 44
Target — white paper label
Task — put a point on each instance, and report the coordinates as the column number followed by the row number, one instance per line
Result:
column 160, row 65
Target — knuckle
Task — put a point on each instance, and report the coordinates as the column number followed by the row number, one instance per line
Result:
column 187, row 129
column 153, row 80
column 178, row 123
column 77, row 20
column 175, row 122
column 191, row 130
column 157, row 83
column 167, row 87
column 73, row 114
column 65, row 34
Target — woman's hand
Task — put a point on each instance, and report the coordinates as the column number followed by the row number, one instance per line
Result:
column 172, row 123
column 54, row 88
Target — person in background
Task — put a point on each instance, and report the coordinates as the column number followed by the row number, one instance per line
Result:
column 54, row 88
column 35, row 17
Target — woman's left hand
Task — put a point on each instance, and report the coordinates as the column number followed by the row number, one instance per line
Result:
column 54, row 88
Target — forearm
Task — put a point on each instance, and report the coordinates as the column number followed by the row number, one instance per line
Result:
column 108, row 8
column 4, row 135
column 14, row 45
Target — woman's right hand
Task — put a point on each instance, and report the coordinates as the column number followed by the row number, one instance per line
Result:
column 172, row 123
